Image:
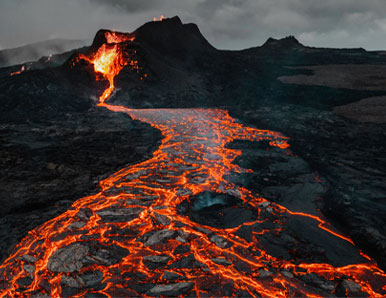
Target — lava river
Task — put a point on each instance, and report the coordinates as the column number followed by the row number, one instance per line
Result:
column 132, row 239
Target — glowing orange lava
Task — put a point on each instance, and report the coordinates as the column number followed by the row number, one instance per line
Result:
column 18, row 72
column 109, row 60
column 117, row 37
column 193, row 158
column 161, row 18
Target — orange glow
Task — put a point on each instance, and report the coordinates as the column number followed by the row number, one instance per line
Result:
column 109, row 60
column 18, row 72
column 282, row 145
column 322, row 224
column 117, row 37
column 161, row 18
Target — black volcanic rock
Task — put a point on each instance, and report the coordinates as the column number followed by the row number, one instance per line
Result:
column 284, row 43
column 171, row 37
column 68, row 259
column 38, row 95
column 172, row 290
column 348, row 156
column 45, row 166
column 217, row 210
column 99, row 38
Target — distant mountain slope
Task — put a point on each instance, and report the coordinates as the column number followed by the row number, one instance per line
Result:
column 35, row 51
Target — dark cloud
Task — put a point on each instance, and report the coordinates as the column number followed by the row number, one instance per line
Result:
column 343, row 23
column 130, row 5
column 233, row 24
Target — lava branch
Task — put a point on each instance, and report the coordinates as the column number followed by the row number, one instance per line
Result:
column 22, row 69
column 109, row 62
column 110, row 59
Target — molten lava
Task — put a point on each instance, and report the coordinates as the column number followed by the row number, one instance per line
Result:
column 117, row 37
column 118, row 233
column 110, row 59
column 18, row 72
column 161, row 18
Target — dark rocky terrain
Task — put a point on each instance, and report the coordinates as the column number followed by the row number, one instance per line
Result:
column 55, row 145
column 348, row 157
column 46, row 165
column 348, row 154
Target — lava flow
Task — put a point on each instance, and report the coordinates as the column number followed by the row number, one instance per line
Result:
column 133, row 238
column 109, row 60
column 18, row 72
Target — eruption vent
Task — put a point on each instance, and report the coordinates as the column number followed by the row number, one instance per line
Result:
column 110, row 59
column 161, row 18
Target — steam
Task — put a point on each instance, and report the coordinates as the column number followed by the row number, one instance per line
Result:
column 207, row 199
column 35, row 51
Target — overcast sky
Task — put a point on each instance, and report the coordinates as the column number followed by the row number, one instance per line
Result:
column 227, row 24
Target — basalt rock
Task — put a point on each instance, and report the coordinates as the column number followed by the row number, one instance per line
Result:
column 157, row 237
column 68, row 259
column 171, row 289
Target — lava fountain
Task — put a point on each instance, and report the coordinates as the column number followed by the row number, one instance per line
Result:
column 131, row 240
column 109, row 60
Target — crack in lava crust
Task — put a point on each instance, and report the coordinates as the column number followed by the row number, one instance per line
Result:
column 136, row 212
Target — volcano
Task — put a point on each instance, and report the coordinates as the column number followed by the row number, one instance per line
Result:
column 153, row 164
